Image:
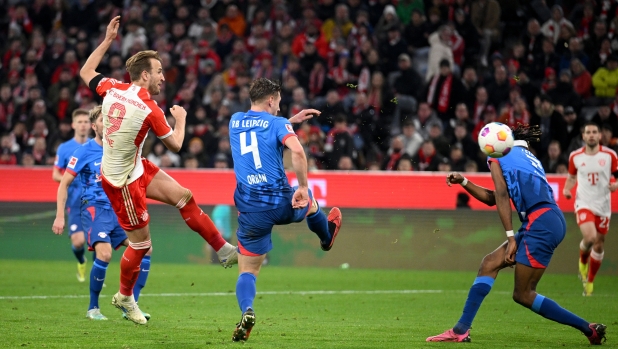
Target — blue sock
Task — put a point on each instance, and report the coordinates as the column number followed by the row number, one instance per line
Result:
column 79, row 254
column 318, row 223
column 97, row 277
column 245, row 291
column 480, row 288
column 549, row 309
column 144, row 269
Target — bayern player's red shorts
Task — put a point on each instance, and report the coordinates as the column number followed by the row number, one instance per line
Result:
column 600, row 223
column 129, row 202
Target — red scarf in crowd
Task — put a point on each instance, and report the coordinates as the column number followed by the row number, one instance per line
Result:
column 478, row 112
column 445, row 92
column 423, row 160
column 390, row 166
column 61, row 111
column 6, row 109
column 316, row 81
column 513, row 120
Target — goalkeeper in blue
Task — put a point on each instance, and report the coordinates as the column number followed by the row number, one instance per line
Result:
column 520, row 178
column 263, row 196
column 103, row 232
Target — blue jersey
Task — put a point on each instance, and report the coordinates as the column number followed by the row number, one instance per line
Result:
column 87, row 168
column 525, row 180
column 63, row 161
column 257, row 140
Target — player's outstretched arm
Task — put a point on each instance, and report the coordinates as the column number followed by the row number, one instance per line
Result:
column 483, row 195
column 299, row 163
column 303, row 115
column 568, row 186
column 61, row 200
column 88, row 71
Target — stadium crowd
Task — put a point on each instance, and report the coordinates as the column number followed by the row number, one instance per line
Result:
column 402, row 85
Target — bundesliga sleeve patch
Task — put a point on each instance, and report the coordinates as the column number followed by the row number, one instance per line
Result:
column 289, row 127
column 72, row 162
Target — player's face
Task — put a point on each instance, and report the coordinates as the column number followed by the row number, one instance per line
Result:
column 98, row 127
column 274, row 104
column 592, row 136
column 156, row 77
column 81, row 125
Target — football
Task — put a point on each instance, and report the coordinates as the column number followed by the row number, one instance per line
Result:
column 496, row 139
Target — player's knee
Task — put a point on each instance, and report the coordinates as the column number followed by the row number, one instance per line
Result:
column 314, row 207
column 523, row 297
column 104, row 256
column 78, row 240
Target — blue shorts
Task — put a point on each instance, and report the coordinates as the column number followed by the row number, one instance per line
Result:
column 254, row 228
column 75, row 219
column 539, row 235
column 102, row 225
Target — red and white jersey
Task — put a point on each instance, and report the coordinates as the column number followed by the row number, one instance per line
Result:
column 593, row 175
column 128, row 114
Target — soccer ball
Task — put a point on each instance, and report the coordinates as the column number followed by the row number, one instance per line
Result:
column 496, row 139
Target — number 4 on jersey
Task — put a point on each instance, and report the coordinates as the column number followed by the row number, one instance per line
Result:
column 253, row 148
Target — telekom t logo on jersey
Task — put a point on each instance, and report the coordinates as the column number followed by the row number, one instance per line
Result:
column 593, row 178
column 318, row 188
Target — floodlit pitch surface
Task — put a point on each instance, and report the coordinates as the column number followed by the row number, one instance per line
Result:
column 193, row 306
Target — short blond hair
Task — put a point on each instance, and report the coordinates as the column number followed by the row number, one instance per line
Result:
column 78, row 112
column 140, row 62
column 94, row 113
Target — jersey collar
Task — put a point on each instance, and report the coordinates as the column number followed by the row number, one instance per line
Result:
column 520, row 143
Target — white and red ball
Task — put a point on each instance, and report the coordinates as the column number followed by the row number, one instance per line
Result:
column 496, row 139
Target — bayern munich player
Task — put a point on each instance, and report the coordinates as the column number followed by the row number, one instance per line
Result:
column 520, row 178
column 98, row 218
column 128, row 179
column 591, row 167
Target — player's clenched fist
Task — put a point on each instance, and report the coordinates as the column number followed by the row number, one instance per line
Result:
column 454, row 178
column 566, row 193
column 58, row 226
column 178, row 112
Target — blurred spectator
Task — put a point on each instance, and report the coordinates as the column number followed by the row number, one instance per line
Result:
column 546, row 59
column 574, row 124
column 605, row 79
column 444, row 92
column 425, row 118
column 405, row 163
column 553, row 158
column 416, row 31
column 564, row 93
column 341, row 20
column 457, row 159
column 395, row 152
column 576, row 51
column 440, row 142
column 553, row 126
column 234, row 20
column 412, row 140
column 485, row 15
column 444, row 165
column 463, row 200
column 8, row 150
column 440, row 51
column 461, row 139
column 345, row 164
column 159, row 151
column 427, row 158
column 551, row 28
column 339, row 142
column 605, row 115
column 532, row 39
column 499, row 87
column 582, row 80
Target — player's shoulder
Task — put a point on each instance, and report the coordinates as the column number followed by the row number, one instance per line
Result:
column 607, row 150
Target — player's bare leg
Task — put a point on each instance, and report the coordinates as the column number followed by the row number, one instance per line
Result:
column 595, row 260
column 77, row 241
column 488, row 271
column 139, row 245
column 249, row 269
column 166, row 189
column 524, row 293
column 589, row 233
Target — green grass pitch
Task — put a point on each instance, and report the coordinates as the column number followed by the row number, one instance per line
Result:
column 193, row 306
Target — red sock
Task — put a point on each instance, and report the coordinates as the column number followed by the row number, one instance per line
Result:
column 595, row 264
column 583, row 256
column 129, row 265
column 200, row 223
